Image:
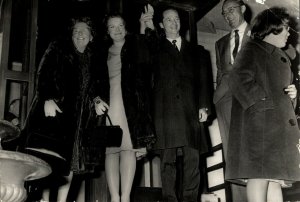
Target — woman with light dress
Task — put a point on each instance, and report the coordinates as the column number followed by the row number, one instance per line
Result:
column 128, row 107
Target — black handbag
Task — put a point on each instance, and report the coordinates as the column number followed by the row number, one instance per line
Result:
column 102, row 135
column 95, row 139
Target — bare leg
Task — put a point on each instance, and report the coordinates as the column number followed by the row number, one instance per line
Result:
column 257, row 190
column 46, row 195
column 63, row 191
column 81, row 195
column 274, row 192
column 127, row 169
column 112, row 171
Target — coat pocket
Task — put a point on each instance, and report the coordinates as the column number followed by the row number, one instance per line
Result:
column 261, row 106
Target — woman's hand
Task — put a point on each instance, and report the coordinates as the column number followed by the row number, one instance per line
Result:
column 50, row 108
column 291, row 91
column 100, row 107
column 146, row 19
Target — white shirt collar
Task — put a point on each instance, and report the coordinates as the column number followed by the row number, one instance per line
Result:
column 178, row 42
column 241, row 32
column 241, row 29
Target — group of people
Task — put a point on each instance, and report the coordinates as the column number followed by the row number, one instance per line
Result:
column 157, row 90
column 255, row 101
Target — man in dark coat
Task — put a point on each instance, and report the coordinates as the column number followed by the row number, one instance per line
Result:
column 180, row 105
column 233, row 12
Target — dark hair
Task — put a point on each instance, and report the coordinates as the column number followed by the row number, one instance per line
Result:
column 113, row 15
column 161, row 14
column 86, row 20
column 269, row 21
column 238, row 2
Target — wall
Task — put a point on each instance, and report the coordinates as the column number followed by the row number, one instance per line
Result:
column 216, row 177
column 208, row 40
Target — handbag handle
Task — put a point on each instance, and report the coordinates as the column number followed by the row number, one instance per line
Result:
column 105, row 115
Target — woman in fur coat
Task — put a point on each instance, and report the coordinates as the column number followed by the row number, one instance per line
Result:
column 69, row 80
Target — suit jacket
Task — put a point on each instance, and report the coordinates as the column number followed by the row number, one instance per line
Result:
column 180, row 89
column 224, row 65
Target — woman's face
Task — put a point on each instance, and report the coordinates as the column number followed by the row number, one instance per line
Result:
column 81, row 36
column 279, row 40
column 116, row 29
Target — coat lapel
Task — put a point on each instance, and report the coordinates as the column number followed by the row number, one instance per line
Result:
column 226, row 48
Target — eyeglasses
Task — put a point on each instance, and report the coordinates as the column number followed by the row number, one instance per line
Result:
column 230, row 10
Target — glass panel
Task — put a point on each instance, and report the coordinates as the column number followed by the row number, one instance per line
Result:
column 18, row 33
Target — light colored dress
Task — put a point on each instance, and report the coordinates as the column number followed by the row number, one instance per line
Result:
column 116, row 107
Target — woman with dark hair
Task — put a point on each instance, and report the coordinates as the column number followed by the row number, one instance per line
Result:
column 128, row 107
column 263, row 147
column 70, row 84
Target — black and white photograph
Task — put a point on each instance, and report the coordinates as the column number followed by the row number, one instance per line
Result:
column 149, row 101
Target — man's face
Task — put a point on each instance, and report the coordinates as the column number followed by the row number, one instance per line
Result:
column 171, row 23
column 233, row 13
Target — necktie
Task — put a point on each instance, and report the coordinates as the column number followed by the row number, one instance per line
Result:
column 236, row 42
column 174, row 44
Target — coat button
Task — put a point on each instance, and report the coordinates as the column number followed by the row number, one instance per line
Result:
column 283, row 59
column 292, row 122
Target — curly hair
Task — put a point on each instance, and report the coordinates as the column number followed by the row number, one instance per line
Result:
column 86, row 20
column 271, row 20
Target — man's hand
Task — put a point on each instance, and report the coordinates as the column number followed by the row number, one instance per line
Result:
column 291, row 91
column 203, row 115
column 146, row 19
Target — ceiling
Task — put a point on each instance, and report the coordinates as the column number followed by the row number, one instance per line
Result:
column 214, row 20
column 207, row 12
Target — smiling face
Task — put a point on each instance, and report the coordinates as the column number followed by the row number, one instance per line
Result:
column 81, row 36
column 171, row 23
column 116, row 29
column 233, row 13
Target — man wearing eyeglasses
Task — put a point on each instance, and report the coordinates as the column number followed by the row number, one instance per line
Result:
column 226, row 50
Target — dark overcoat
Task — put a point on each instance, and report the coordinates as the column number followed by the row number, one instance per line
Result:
column 180, row 89
column 135, row 81
column 72, row 80
column 264, row 135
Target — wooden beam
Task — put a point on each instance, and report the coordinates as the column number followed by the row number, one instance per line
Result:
column 16, row 76
column 7, row 9
column 193, row 28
